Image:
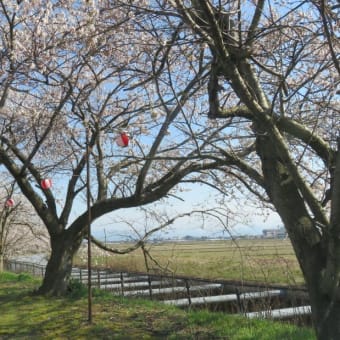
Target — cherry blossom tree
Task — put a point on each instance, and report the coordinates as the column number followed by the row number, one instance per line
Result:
column 237, row 95
column 21, row 231
column 74, row 76
column 271, row 90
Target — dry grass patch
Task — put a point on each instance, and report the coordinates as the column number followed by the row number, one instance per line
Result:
column 260, row 260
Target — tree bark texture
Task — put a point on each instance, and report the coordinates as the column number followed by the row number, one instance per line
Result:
column 314, row 249
column 59, row 266
column 1, row 263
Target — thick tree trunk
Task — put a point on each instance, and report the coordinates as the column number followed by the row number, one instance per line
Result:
column 1, row 263
column 312, row 247
column 325, row 313
column 59, row 266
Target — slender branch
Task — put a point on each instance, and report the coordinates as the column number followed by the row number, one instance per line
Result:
column 49, row 216
column 142, row 240
column 162, row 132
column 322, row 11
column 49, row 128
column 235, row 111
column 301, row 132
column 255, row 22
column 335, row 211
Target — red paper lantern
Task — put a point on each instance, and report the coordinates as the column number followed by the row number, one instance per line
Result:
column 46, row 183
column 10, row 203
column 123, row 139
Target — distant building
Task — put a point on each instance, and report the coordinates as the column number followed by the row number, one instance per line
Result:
column 274, row 233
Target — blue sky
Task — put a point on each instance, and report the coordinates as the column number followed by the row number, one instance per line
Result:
column 245, row 220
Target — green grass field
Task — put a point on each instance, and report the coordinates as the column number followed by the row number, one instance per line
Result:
column 26, row 316
column 263, row 260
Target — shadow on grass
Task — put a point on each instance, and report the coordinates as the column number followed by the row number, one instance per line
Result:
column 27, row 316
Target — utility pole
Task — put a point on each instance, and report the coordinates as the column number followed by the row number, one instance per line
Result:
column 88, row 197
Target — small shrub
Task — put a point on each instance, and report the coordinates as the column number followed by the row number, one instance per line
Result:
column 24, row 277
column 6, row 276
column 102, row 294
column 76, row 289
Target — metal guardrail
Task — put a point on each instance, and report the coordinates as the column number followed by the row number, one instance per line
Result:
column 123, row 283
column 25, row 267
column 100, row 277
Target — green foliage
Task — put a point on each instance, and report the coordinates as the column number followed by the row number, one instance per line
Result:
column 239, row 328
column 22, row 277
column 6, row 276
column 101, row 294
column 76, row 289
column 25, row 277
column 35, row 317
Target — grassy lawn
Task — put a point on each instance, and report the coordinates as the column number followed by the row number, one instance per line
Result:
column 26, row 316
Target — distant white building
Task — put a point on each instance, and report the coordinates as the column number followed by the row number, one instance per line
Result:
column 274, row 233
